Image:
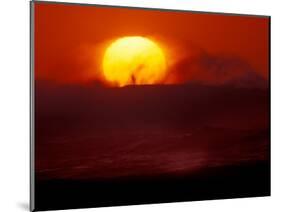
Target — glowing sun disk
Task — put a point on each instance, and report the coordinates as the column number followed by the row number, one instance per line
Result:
column 134, row 60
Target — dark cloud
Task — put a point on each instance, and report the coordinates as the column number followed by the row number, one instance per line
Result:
column 208, row 69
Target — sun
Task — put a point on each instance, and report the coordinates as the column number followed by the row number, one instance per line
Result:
column 134, row 60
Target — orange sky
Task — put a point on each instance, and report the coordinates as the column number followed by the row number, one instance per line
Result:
column 70, row 39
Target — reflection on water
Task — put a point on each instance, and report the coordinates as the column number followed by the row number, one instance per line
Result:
column 147, row 152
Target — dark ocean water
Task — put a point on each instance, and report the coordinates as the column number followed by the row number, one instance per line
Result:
column 149, row 144
column 112, row 154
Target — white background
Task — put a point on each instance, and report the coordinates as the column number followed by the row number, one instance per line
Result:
column 14, row 103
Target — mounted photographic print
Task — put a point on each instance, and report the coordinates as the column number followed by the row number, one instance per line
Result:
column 140, row 106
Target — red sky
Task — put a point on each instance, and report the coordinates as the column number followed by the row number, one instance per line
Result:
column 70, row 39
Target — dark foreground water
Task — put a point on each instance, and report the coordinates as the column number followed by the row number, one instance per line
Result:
column 149, row 144
column 152, row 166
